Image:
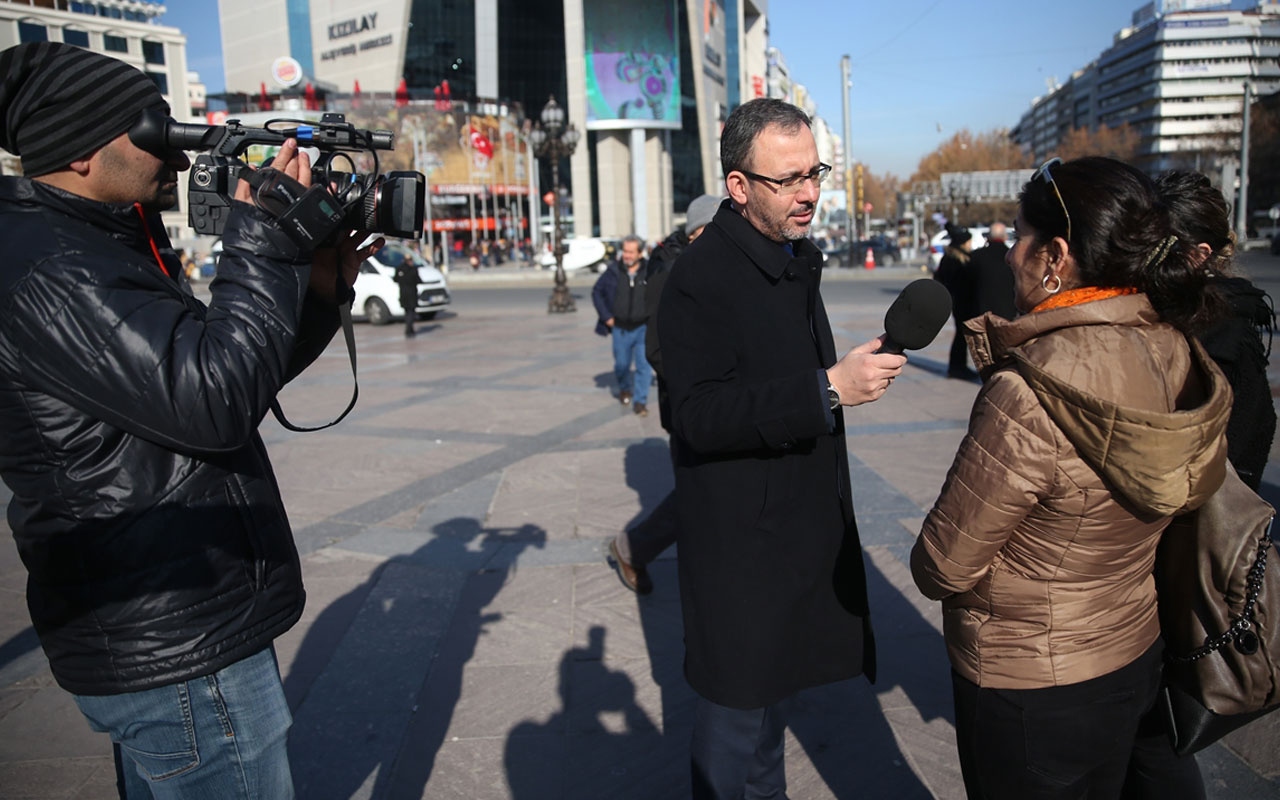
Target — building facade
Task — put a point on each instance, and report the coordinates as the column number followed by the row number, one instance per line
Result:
column 1176, row 76
column 632, row 172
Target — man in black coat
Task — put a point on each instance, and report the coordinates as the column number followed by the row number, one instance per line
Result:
column 161, row 564
column 992, row 278
column 771, row 576
column 631, row 551
column 407, row 281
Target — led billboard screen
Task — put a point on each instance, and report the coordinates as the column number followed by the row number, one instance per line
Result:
column 633, row 64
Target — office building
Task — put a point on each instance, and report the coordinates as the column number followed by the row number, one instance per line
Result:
column 645, row 155
column 1176, row 74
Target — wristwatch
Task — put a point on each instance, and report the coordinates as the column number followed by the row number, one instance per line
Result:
column 833, row 397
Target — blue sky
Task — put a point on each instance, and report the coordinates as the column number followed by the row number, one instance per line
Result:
column 917, row 64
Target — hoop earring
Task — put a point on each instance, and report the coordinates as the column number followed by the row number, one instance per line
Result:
column 1044, row 283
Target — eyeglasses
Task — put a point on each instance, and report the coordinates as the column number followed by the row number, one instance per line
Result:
column 1043, row 174
column 792, row 185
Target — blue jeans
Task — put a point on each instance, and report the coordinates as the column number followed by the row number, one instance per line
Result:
column 629, row 346
column 212, row 738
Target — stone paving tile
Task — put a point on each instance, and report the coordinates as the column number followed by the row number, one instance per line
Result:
column 487, row 412
column 46, row 724
column 370, row 467
column 930, row 748
column 61, row 778
column 526, row 636
column 522, row 765
column 634, row 630
column 494, row 700
column 521, row 589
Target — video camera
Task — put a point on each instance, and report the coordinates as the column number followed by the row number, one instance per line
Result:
column 390, row 204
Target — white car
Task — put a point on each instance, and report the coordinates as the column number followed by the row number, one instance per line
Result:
column 378, row 294
column 580, row 254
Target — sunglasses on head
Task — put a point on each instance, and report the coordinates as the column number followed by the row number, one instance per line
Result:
column 1045, row 175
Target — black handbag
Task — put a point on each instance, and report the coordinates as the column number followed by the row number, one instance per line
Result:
column 1219, row 612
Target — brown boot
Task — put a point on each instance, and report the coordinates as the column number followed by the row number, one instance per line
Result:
column 634, row 578
column 624, row 397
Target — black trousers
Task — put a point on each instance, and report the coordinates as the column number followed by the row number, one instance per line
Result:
column 738, row 754
column 1057, row 743
column 1155, row 771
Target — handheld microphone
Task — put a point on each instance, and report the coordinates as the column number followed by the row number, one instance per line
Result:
column 916, row 316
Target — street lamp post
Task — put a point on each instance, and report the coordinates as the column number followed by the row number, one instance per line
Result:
column 553, row 138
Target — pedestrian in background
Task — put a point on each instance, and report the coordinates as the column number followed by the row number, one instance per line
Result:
column 407, row 279
column 1201, row 218
column 631, row 551
column 772, row 586
column 1099, row 420
column 954, row 272
column 992, row 278
column 619, row 298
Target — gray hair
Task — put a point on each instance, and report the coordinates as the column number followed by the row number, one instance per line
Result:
column 631, row 237
column 747, row 122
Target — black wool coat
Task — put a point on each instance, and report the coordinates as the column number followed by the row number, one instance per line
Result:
column 771, row 575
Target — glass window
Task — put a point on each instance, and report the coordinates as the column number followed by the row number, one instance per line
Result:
column 161, row 81
column 153, row 52
column 31, row 32
column 115, row 44
column 78, row 38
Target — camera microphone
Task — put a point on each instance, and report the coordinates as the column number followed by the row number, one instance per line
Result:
column 916, row 316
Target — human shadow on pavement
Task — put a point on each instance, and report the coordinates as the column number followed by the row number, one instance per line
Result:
column 379, row 674
column 591, row 746
column 845, row 727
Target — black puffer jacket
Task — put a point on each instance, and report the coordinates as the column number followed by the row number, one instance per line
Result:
column 144, row 506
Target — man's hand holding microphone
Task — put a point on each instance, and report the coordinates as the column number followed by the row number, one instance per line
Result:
column 865, row 372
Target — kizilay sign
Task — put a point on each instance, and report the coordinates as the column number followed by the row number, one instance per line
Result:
column 354, row 27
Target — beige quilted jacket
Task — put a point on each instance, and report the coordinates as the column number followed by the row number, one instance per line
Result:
column 1095, row 425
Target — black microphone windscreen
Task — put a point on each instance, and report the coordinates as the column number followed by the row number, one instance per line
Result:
column 918, row 314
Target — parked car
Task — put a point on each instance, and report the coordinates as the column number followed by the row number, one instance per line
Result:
column 884, row 250
column 582, row 253
column 378, row 294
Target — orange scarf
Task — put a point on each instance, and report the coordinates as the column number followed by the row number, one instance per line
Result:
column 1084, row 294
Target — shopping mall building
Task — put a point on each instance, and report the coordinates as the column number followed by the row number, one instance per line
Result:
column 650, row 84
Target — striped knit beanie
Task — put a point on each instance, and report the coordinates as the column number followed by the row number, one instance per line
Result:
column 59, row 103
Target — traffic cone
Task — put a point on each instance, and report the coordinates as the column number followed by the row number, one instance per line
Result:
column 870, row 262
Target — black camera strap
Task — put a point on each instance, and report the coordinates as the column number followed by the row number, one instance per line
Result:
column 345, row 293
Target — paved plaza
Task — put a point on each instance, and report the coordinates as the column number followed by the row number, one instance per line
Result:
column 463, row 636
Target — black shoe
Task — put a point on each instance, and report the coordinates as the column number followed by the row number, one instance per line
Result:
column 962, row 374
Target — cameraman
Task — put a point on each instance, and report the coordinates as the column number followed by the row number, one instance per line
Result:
column 161, row 565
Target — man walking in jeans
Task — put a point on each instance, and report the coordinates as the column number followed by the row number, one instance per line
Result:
column 161, row 565
column 619, row 297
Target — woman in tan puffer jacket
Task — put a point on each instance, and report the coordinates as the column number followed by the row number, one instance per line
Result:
column 1098, row 421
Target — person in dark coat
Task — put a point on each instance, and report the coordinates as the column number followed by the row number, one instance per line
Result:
column 161, row 564
column 631, row 551
column 772, row 586
column 992, row 278
column 954, row 272
column 1201, row 218
column 407, row 279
